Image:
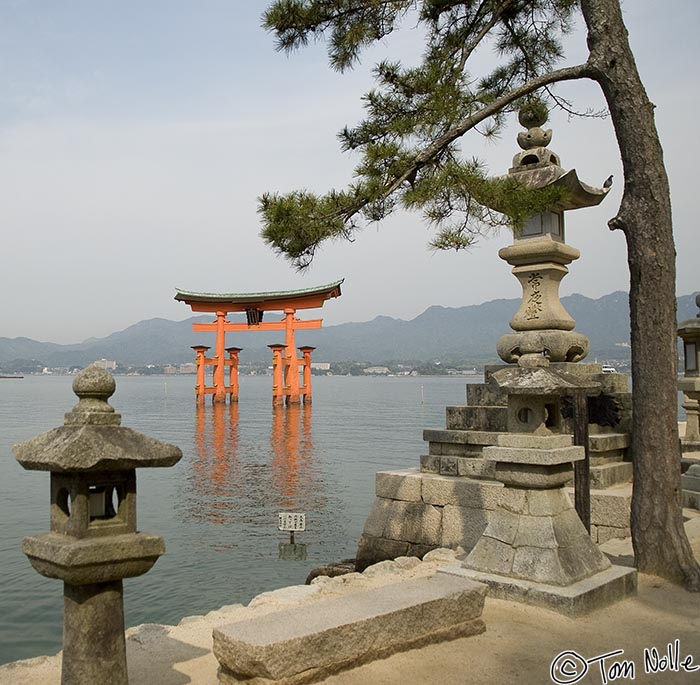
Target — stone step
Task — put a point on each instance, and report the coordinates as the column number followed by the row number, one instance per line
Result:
column 307, row 643
column 609, row 475
column 477, row 418
column 458, row 443
column 609, row 442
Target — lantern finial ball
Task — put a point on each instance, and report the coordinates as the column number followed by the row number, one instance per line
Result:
column 94, row 382
column 533, row 113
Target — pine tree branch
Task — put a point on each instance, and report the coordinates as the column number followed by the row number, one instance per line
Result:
column 466, row 53
column 431, row 151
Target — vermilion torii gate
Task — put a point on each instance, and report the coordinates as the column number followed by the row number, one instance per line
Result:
column 285, row 362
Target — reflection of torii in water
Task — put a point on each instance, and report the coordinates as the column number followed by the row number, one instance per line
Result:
column 215, row 469
column 292, row 447
column 224, row 486
column 286, row 363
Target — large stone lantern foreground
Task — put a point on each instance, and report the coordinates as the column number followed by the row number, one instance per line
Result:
column 93, row 543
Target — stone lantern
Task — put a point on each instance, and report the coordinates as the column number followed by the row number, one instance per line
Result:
column 689, row 332
column 93, row 543
column 535, row 547
column 539, row 255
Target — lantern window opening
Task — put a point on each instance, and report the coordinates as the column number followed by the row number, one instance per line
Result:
column 691, row 358
column 546, row 222
column 525, row 415
column 104, row 502
column 63, row 502
column 551, row 415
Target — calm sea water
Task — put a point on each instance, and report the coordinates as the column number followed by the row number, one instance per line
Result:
column 217, row 509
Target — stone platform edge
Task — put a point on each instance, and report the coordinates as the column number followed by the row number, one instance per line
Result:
column 580, row 598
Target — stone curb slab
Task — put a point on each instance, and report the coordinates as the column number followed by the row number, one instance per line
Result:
column 307, row 643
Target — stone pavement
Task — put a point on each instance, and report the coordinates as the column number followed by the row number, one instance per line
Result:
column 519, row 645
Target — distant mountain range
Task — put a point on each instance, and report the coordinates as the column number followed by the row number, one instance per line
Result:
column 448, row 334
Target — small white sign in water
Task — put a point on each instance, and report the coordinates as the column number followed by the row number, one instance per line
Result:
column 290, row 521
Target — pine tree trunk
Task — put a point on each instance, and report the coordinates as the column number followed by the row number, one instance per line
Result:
column 661, row 546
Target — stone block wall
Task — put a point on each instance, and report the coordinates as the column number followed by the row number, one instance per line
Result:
column 416, row 512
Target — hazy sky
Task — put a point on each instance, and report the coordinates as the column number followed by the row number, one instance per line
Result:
column 135, row 137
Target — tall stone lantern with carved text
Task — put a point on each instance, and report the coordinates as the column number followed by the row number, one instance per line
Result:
column 93, row 543
column 543, row 329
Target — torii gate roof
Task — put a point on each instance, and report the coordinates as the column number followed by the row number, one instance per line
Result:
column 305, row 298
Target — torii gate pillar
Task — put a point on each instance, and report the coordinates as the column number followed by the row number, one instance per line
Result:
column 232, row 363
column 277, row 375
column 291, row 363
column 306, row 363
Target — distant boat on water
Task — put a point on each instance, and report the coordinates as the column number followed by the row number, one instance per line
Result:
column 5, row 376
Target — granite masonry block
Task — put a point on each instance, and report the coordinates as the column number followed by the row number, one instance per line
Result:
column 399, row 485
column 513, row 499
column 448, row 466
column 429, row 463
column 493, row 555
column 534, row 442
column 535, row 531
column 458, row 437
column 461, row 437
column 568, row 528
column 486, row 394
column 546, row 502
column 538, row 565
column 378, row 516
column 611, row 507
column 492, row 419
column 462, row 526
column 503, row 526
column 537, row 457
column 474, row 467
column 608, row 475
column 414, row 522
column 462, row 492
column 605, row 442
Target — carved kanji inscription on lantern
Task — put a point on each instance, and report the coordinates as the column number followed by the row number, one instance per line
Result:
column 534, row 302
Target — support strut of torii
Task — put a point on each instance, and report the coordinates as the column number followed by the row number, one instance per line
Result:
column 285, row 362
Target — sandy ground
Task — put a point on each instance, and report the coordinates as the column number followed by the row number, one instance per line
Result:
column 519, row 645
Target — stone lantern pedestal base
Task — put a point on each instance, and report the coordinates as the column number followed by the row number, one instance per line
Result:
column 535, row 548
